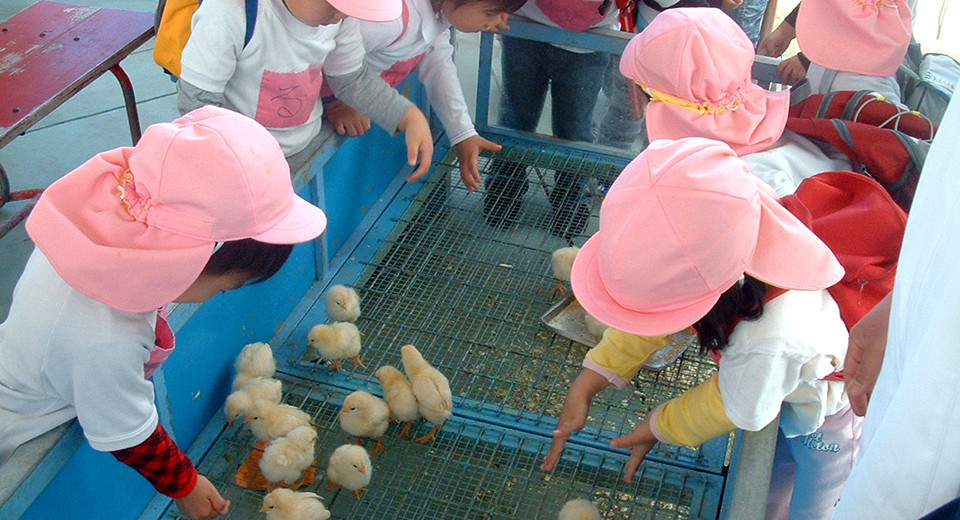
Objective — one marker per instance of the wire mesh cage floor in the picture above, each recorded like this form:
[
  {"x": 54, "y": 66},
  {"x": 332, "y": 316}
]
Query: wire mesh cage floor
[{"x": 470, "y": 297}]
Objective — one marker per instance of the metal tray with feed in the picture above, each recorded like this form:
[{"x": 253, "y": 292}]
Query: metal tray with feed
[{"x": 566, "y": 319}]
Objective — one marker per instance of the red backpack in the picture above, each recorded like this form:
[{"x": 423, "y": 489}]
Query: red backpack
[
  {"x": 882, "y": 139},
  {"x": 861, "y": 224}
]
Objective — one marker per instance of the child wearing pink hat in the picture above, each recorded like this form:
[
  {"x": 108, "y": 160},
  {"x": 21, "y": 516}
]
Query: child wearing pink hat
[
  {"x": 199, "y": 206},
  {"x": 716, "y": 244},
  {"x": 276, "y": 77},
  {"x": 854, "y": 44},
  {"x": 694, "y": 65},
  {"x": 420, "y": 40}
]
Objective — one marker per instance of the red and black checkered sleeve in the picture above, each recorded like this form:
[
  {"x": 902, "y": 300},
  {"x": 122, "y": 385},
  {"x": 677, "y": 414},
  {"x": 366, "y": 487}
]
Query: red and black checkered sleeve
[{"x": 162, "y": 463}]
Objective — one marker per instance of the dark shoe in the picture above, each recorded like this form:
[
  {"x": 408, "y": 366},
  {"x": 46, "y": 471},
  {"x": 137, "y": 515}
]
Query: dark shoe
[
  {"x": 504, "y": 196},
  {"x": 569, "y": 222},
  {"x": 569, "y": 215}
]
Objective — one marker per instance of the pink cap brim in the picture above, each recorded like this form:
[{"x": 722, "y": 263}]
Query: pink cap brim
[
  {"x": 370, "y": 10},
  {"x": 303, "y": 223}
]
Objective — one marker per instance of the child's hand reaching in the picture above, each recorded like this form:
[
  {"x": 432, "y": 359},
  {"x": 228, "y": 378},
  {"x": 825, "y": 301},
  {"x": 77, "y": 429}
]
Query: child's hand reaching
[
  {"x": 468, "y": 151},
  {"x": 574, "y": 413},
  {"x": 346, "y": 119},
  {"x": 639, "y": 442},
  {"x": 419, "y": 142},
  {"x": 203, "y": 502},
  {"x": 791, "y": 70}
]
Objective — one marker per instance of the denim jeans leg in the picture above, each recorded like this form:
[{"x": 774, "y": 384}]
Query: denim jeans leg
[{"x": 749, "y": 16}]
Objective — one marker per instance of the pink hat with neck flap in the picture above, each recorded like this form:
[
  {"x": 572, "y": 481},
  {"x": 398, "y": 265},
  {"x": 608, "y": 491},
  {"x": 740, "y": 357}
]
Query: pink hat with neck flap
[
  {"x": 134, "y": 227},
  {"x": 867, "y": 37},
  {"x": 680, "y": 225},
  {"x": 695, "y": 64}
]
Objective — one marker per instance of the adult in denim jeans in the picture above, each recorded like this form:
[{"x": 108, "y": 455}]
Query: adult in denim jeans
[
  {"x": 574, "y": 78},
  {"x": 749, "y": 16}
]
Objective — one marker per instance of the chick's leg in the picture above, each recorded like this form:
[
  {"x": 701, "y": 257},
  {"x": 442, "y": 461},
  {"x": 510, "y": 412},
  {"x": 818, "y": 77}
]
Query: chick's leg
[
  {"x": 430, "y": 435},
  {"x": 406, "y": 430},
  {"x": 356, "y": 492},
  {"x": 378, "y": 447},
  {"x": 335, "y": 365},
  {"x": 356, "y": 361},
  {"x": 559, "y": 288}
]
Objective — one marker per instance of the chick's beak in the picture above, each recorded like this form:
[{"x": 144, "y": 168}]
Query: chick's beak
[
  {"x": 363, "y": 469},
  {"x": 263, "y": 509},
  {"x": 247, "y": 420}
]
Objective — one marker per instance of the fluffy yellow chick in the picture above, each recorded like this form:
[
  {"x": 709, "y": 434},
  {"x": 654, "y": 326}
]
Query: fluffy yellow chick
[
  {"x": 365, "y": 415},
  {"x": 254, "y": 360},
  {"x": 286, "y": 504},
  {"x": 432, "y": 389},
  {"x": 398, "y": 392},
  {"x": 579, "y": 509},
  {"x": 269, "y": 420},
  {"x": 336, "y": 341},
  {"x": 239, "y": 402},
  {"x": 594, "y": 326},
  {"x": 350, "y": 468},
  {"x": 561, "y": 261},
  {"x": 286, "y": 459},
  {"x": 343, "y": 304}
]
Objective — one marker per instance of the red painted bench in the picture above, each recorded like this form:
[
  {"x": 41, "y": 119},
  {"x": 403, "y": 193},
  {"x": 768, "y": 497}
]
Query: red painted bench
[{"x": 49, "y": 52}]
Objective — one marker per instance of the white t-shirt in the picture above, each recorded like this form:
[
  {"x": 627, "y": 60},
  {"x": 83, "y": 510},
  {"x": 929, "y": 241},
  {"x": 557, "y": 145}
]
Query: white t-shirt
[
  {"x": 65, "y": 355},
  {"x": 276, "y": 78},
  {"x": 775, "y": 364},
  {"x": 824, "y": 80},
  {"x": 790, "y": 160},
  {"x": 421, "y": 40}
]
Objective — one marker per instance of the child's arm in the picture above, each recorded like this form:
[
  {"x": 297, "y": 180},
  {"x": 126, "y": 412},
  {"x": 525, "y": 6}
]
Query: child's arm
[
  {"x": 210, "y": 56},
  {"x": 190, "y": 97},
  {"x": 614, "y": 361},
  {"x": 574, "y": 414},
  {"x": 438, "y": 72},
  {"x": 691, "y": 419},
  {"x": 165, "y": 466},
  {"x": 360, "y": 87}
]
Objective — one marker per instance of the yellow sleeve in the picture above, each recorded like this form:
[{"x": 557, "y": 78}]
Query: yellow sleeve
[
  {"x": 619, "y": 355},
  {"x": 694, "y": 418}
]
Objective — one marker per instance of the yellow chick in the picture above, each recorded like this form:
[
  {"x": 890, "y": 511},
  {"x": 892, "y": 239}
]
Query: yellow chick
[
  {"x": 269, "y": 420},
  {"x": 594, "y": 326},
  {"x": 336, "y": 341},
  {"x": 254, "y": 360},
  {"x": 350, "y": 468},
  {"x": 286, "y": 504},
  {"x": 579, "y": 509},
  {"x": 562, "y": 263},
  {"x": 434, "y": 397},
  {"x": 365, "y": 415},
  {"x": 286, "y": 459},
  {"x": 343, "y": 304},
  {"x": 239, "y": 402},
  {"x": 398, "y": 392}
]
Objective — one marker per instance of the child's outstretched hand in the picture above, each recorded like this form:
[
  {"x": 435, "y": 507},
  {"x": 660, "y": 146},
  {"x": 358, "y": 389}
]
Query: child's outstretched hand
[
  {"x": 776, "y": 43},
  {"x": 469, "y": 151},
  {"x": 346, "y": 119},
  {"x": 639, "y": 442},
  {"x": 203, "y": 502},
  {"x": 792, "y": 70},
  {"x": 419, "y": 142},
  {"x": 574, "y": 414}
]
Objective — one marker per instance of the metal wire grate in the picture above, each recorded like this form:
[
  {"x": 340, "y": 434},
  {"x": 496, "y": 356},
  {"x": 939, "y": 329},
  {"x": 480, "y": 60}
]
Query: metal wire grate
[
  {"x": 471, "y": 471},
  {"x": 470, "y": 297}
]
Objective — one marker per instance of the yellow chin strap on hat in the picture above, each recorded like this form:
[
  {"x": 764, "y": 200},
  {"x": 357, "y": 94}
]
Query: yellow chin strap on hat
[{"x": 702, "y": 108}]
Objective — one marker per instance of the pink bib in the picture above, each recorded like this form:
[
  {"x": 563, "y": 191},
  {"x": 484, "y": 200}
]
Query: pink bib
[
  {"x": 573, "y": 15},
  {"x": 163, "y": 346}
]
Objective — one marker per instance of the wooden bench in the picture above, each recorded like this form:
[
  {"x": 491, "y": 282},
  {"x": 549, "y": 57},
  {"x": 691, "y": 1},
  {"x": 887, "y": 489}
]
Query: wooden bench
[{"x": 49, "y": 52}]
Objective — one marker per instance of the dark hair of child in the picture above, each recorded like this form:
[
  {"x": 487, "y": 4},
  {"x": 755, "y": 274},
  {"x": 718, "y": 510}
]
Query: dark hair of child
[
  {"x": 740, "y": 302},
  {"x": 508, "y": 6},
  {"x": 259, "y": 259}
]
